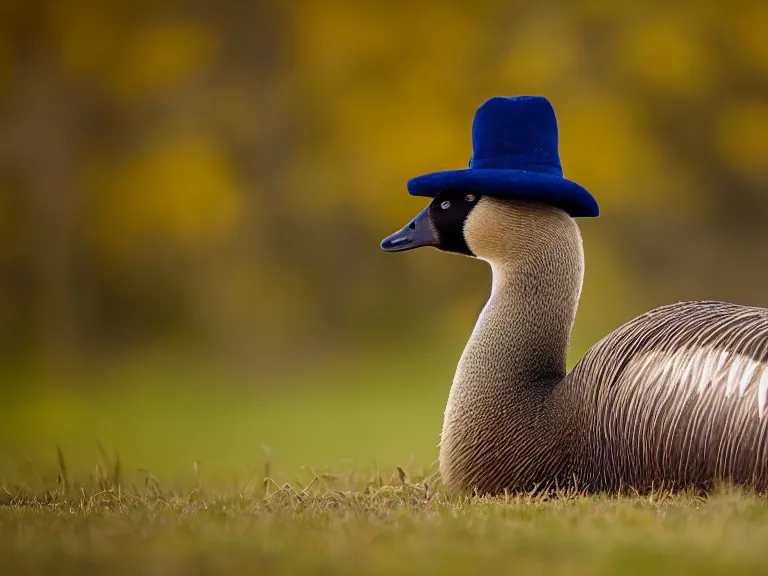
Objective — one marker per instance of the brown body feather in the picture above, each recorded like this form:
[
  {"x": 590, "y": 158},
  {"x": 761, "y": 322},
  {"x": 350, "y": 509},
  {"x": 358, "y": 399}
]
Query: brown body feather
[{"x": 675, "y": 397}]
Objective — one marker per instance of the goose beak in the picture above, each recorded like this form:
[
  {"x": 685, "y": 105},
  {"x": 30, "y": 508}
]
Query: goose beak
[{"x": 418, "y": 232}]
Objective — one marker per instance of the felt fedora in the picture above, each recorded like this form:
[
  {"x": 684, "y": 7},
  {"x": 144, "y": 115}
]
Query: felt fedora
[{"x": 514, "y": 154}]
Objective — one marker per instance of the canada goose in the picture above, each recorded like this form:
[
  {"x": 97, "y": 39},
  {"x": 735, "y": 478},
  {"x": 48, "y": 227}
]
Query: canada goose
[{"x": 675, "y": 398}]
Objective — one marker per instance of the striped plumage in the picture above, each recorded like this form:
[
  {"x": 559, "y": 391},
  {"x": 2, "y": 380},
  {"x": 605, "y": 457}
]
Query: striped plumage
[{"x": 677, "y": 397}]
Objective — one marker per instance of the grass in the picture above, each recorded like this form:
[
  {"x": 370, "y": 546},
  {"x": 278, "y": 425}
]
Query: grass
[
  {"x": 163, "y": 417},
  {"x": 220, "y": 475},
  {"x": 370, "y": 523}
]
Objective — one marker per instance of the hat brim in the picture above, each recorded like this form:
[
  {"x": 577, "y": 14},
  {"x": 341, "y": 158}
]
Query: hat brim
[{"x": 520, "y": 184}]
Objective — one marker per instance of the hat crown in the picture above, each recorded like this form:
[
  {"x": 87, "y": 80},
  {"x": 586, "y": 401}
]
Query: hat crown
[
  {"x": 515, "y": 155},
  {"x": 517, "y": 133}
]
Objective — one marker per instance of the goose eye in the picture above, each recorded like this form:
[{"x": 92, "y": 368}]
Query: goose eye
[
  {"x": 470, "y": 197},
  {"x": 445, "y": 205}
]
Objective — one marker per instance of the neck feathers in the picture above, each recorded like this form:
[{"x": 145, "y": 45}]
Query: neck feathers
[
  {"x": 497, "y": 420},
  {"x": 537, "y": 262}
]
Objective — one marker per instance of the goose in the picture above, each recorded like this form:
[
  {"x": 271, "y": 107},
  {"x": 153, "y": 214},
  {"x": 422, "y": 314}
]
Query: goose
[{"x": 675, "y": 398}]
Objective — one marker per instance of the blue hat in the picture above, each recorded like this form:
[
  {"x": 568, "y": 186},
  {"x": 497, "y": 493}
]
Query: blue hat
[{"x": 515, "y": 154}]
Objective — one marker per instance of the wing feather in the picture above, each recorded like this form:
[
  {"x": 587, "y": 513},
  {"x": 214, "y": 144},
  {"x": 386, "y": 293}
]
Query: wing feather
[{"x": 678, "y": 396}]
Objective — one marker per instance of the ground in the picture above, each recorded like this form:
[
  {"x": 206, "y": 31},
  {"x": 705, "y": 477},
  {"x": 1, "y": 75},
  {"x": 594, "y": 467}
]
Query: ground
[
  {"x": 168, "y": 470},
  {"x": 332, "y": 526}
]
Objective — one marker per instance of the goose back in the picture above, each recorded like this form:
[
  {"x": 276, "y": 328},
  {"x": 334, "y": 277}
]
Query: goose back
[{"x": 676, "y": 397}]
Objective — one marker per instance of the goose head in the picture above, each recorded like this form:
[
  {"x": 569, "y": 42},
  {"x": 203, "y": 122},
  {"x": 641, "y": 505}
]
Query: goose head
[{"x": 487, "y": 227}]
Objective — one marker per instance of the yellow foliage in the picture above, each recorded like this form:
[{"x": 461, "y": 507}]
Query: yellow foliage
[
  {"x": 380, "y": 82},
  {"x": 749, "y": 33},
  {"x": 234, "y": 109},
  {"x": 669, "y": 52},
  {"x": 8, "y": 224},
  {"x": 741, "y": 135},
  {"x": 377, "y": 145},
  {"x": 535, "y": 64},
  {"x": 5, "y": 65},
  {"x": 348, "y": 100},
  {"x": 335, "y": 41},
  {"x": 600, "y": 9},
  {"x": 183, "y": 191},
  {"x": 158, "y": 57},
  {"x": 87, "y": 34},
  {"x": 606, "y": 148}
]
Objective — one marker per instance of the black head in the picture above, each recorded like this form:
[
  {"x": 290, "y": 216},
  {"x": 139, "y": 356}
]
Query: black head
[{"x": 440, "y": 224}]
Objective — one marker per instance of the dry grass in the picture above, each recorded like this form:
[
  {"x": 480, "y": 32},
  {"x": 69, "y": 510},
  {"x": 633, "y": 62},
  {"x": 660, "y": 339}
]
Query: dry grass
[{"x": 366, "y": 523}]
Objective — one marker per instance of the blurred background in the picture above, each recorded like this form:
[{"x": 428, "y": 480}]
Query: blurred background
[{"x": 192, "y": 196}]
